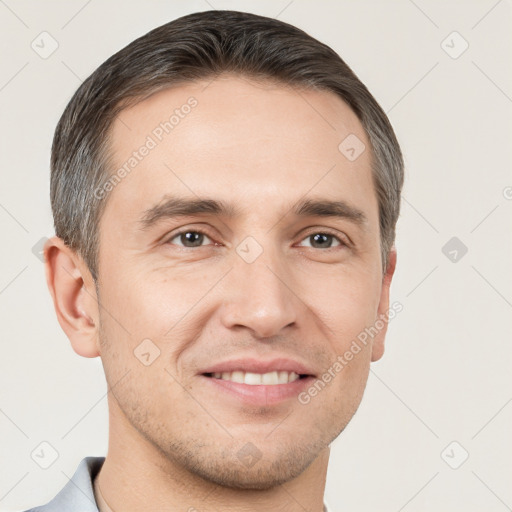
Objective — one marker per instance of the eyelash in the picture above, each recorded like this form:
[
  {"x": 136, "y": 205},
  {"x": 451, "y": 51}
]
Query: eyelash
[{"x": 199, "y": 231}]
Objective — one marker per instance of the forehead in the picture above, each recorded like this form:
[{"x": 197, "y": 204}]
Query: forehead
[{"x": 237, "y": 139}]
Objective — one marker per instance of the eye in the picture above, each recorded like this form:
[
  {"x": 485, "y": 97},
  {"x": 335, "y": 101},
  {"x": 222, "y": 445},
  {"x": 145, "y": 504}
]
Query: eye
[
  {"x": 189, "y": 238},
  {"x": 323, "y": 240}
]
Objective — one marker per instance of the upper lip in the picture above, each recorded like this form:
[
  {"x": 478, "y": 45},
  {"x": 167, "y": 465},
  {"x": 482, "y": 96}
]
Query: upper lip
[{"x": 260, "y": 366}]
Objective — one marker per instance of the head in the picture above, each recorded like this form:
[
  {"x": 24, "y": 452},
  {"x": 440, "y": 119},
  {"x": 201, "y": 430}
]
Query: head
[{"x": 225, "y": 188}]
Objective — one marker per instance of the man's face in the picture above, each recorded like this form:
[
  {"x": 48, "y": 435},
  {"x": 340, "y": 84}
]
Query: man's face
[{"x": 263, "y": 284}]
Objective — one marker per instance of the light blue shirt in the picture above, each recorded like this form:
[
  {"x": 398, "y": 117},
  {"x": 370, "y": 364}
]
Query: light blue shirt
[{"x": 78, "y": 494}]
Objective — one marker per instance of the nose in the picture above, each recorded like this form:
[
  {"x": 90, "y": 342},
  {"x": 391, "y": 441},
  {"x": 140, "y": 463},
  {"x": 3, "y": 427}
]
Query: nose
[{"x": 260, "y": 296}]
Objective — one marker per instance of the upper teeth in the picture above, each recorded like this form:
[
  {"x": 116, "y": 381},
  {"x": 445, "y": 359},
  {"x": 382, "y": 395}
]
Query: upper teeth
[{"x": 257, "y": 378}]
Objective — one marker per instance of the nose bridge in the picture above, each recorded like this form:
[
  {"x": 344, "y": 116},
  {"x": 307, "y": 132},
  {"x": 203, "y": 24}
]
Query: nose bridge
[{"x": 259, "y": 295}]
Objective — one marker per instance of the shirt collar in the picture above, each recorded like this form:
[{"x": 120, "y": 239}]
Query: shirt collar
[{"x": 78, "y": 494}]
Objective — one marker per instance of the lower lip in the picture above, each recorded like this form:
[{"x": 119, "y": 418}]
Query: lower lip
[{"x": 264, "y": 394}]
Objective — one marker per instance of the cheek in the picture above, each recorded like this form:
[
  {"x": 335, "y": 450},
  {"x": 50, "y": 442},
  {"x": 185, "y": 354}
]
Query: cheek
[
  {"x": 153, "y": 302},
  {"x": 347, "y": 304},
  {"x": 157, "y": 312}
]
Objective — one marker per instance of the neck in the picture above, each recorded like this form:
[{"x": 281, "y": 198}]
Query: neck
[{"x": 142, "y": 477}]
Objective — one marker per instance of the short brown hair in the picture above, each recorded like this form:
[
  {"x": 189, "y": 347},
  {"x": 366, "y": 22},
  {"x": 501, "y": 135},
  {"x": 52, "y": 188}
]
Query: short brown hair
[{"x": 191, "y": 48}]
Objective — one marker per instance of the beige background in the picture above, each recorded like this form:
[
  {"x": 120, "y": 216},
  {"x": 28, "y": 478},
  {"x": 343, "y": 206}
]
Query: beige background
[{"x": 446, "y": 373}]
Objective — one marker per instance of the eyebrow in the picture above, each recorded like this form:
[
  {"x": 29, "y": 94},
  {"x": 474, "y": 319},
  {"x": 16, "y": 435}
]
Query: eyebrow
[{"x": 171, "y": 207}]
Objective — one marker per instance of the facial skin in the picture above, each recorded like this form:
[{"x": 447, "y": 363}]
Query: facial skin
[{"x": 174, "y": 437}]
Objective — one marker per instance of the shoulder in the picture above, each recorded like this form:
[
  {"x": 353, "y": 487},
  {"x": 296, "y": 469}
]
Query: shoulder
[{"x": 78, "y": 494}]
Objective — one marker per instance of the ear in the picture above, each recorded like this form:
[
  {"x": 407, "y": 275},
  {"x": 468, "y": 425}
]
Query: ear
[
  {"x": 382, "y": 313},
  {"x": 74, "y": 296}
]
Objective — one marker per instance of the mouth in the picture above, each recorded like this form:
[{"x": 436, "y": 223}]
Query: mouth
[
  {"x": 257, "y": 383},
  {"x": 257, "y": 371},
  {"x": 257, "y": 379}
]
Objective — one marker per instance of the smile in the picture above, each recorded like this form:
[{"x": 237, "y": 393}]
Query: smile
[{"x": 256, "y": 379}]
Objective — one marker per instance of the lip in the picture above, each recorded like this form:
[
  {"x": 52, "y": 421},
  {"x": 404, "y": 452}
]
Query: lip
[
  {"x": 253, "y": 365},
  {"x": 257, "y": 395}
]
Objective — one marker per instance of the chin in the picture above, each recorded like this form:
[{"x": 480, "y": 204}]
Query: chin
[
  {"x": 276, "y": 466},
  {"x": 265, "y": 477}
]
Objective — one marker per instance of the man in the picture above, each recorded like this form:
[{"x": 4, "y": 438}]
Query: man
[{"x": 225, "y": 193}]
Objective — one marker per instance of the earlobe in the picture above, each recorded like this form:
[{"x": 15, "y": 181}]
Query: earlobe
[
  {"x": 383, "y": 309},
  {"x": 74, "y": 296}
]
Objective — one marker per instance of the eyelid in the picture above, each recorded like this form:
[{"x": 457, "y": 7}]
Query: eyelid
[
  {"x": 174, "y": 234},
  {"x": 342, "y": 238}
]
